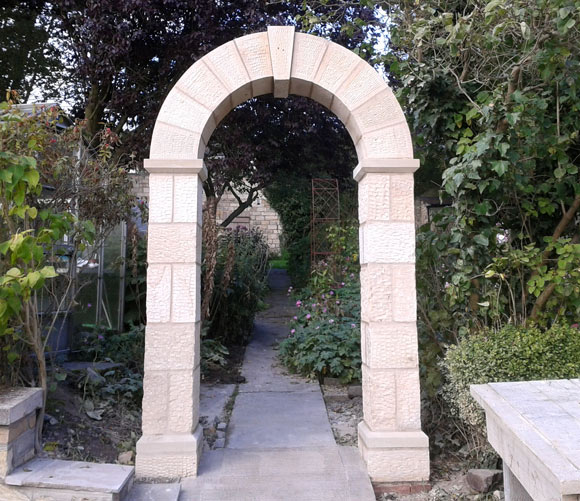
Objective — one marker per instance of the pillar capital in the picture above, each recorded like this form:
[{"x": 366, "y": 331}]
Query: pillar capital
[
  {"x": 176, "y": 166},
  {"x": 385, "y": 166}
]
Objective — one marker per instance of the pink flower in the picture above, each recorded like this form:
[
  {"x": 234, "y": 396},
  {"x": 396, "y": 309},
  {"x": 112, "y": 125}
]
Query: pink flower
[
  {"x": 295, "y": 317},
  {"x": 298, "y": 303},
  {"x": 331, "y": 321},
  {"x": 353, "y": 326},
  {"x": 293, "y": 331},
  {"x": 342, "y": 283},
  {"x": 314, "y": 305},
  {"x": 323, "y": 296},
  {"x": 575, "y": 326},
  {"x": 338, "y": 302},
  {"x": 324, "y": 310},
  {"x": 100, "y": 337},
  {"x": 331, "y": 293},
  {"x": 308, "y": 317}
]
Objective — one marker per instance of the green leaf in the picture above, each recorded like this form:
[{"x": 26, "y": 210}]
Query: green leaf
[
  {"x": 31, "y": 177},
  {"x": 48, "y": 272},
  {"x": 481, "y": 240},
  {"x": 500, "y": 167},
  {"x": 559, "y": 173}
]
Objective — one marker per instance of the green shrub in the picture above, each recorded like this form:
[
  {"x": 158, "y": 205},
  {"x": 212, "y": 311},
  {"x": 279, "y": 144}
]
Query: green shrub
[
  {"x": 511, "y": 354},
  {"x": 240, "y": 285},
  {"x": 325, "y": 334}
]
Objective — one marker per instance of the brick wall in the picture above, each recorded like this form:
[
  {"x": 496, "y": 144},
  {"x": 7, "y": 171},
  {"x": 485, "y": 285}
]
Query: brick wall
[{"x": 260, "y": 215}]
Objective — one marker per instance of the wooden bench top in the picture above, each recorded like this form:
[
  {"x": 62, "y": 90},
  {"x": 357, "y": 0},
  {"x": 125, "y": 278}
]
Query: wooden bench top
[{"x": 535, "y": 427}]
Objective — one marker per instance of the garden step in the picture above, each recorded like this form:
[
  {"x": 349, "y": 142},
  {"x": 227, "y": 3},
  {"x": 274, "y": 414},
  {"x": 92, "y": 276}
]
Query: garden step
[
  {"x": 71, "y": 480},
  {"x": 154, "y": 492}
]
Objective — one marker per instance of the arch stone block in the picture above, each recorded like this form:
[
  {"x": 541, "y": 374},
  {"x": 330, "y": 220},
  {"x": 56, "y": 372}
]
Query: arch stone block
[{"x": 280, "y": 61}]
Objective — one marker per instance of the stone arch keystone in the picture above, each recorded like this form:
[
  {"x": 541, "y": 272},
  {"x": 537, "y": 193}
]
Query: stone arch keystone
[{"x": 282, "y": 62}]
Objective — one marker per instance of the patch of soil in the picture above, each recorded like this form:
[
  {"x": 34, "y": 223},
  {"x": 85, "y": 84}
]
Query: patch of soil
[
  {"x": 344, "y": 413},
  {"x": 70, "y": 433},
  {"x": 228, "y": 374},
  {"x": 448, "y": 472}
]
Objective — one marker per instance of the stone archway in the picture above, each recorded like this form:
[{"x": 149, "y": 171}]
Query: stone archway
[{"x": 283, "y": 62}]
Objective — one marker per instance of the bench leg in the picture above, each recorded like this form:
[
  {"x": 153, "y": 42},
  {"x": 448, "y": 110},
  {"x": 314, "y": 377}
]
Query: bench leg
[{"x": 513, "y": 490}]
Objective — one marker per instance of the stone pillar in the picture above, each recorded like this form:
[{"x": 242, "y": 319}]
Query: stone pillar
[
  {"x": 170, "y": 447},
  {"x": 390, "y": 437},
  {"x": 18, "y": 409}
]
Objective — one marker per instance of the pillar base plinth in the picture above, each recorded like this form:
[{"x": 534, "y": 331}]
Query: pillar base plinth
[
  {"x": 168, "y": 457},
  {"x": 394, "y": 456}
]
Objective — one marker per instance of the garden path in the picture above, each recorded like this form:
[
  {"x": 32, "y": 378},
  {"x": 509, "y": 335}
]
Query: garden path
[{"x": 279, "y": 443}]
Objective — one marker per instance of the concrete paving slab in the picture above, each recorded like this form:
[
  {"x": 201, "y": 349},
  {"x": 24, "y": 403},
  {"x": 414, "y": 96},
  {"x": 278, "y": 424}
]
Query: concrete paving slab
[
  {"x": 154, "y": 492},
  {"x": 279, "y": 443},
  {"x": 56, "y": 473},
  {"x": 212, "y": 401},
  {"x": 279, "y": 419}
]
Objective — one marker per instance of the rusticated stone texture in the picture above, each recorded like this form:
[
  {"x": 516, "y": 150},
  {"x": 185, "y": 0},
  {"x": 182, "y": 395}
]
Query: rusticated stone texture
[
  {"x": 389, "y": 345},
  {"x": 155, "y": 401},
  {"x": 402, "y": 197},
  {"x": 387, "y": 242},
  {"x": 374, "y": 198},
  {"x": 176, "y": 243},
  {"x": 199, "y": 83},
  {"x": 167, "y": 467},
  {"x": 281, "y": 42},
  {"x": 392, "y": 141},
  {"x": 408, "y": 400},
  {"x": 171, "y": 142},
  {"x": 396, "y": 465},
  {"x": 404, "y": 293},
  {"x": 181, "y": 353},
  {"x": 282, "y": 61},
  {"x": 158, "y": 293},
  {"x": 308, "y": 53},
  {"x": 379, "y": 398},
  {"x": 376, "y": 292},
  {"x": 186, "y": 292},
  {"x": 183, "y": 400},
  {"x": 160, "y": 198}
]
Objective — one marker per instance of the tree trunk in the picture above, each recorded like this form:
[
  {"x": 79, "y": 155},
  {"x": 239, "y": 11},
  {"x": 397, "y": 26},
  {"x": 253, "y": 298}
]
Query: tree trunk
[{"x": 210, "y": 240}]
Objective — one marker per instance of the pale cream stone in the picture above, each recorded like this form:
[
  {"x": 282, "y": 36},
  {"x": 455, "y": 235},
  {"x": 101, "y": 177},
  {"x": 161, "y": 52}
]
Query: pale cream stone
[
  {"x": 379, "y": 398},
  {"x": 402, "y": 198},
  {"x": 186, "y": 293},
  {"x": 158, "y": 293},
  {"x": 396, "y": 465},
  {"x": 387, "y": 242},
  {"x": 376, "y": 292},
  {"x": 174, "y": 346},
  {"x": 255, "y": 52},
  {"x": 408, "y": 399},
  {"x": 281, "y": 43},
  {"x": 168, "y": 457},
  {"x": 378, "y": 111},
  {"x": 393, "y": 141},
  {"x": 226, "y": 63},
  {"x": 155, "y": 401},
  {"x": 337, "y": 64},
  {"x": 171, "y": 142},
  {"x": 361, "y": 86},
  {"x": 389, "y": 345},
  {"x": 173, "y": 242},
  {"x": 188, "y": 200},
  {"x": 308, "y": 53},
  {"x": 200, "y": 83},
  {"x": 181, "y": 110},
  {"x": 183, "y": 411},
  {"x": 404, "y": 293},
  {"x": 374, "y": 198},
  {"x": 160, "y": 198}
]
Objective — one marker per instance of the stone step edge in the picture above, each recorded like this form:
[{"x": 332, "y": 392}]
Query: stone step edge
[
  {"x": 25, "y": 477},
  {"x": 154, "y": 492}
]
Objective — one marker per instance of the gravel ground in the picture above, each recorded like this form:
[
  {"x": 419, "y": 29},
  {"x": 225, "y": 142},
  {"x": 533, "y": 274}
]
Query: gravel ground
[{"x": 344, "y": 414}]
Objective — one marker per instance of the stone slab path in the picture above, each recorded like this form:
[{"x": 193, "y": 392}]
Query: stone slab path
[{"x": 279, "y": 443}]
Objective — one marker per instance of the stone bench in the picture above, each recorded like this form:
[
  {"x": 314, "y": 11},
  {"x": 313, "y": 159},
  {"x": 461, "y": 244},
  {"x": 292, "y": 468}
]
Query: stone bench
[{"x": 535, "y": 428}]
